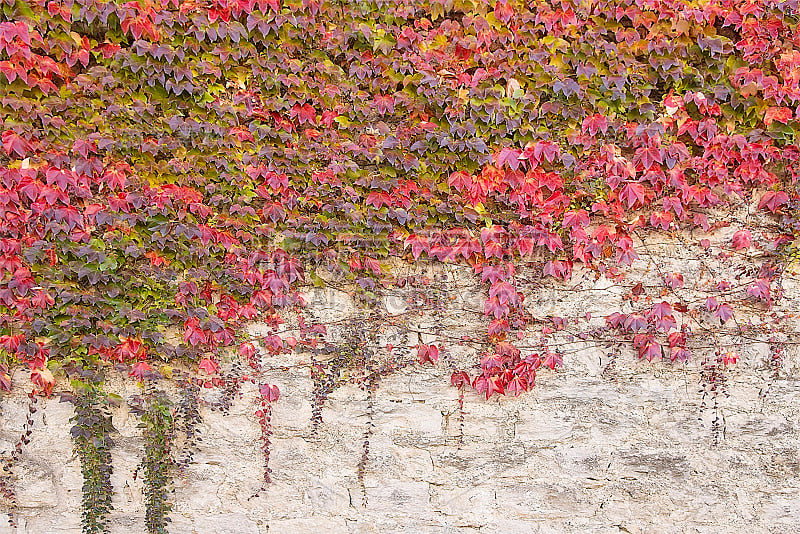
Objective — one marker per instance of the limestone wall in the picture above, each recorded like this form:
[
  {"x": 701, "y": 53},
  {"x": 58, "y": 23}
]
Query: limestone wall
[{"x": 580, "y": 453}]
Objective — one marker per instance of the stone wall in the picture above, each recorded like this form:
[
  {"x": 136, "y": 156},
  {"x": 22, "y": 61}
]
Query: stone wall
[{"x": 580, "y": 453}]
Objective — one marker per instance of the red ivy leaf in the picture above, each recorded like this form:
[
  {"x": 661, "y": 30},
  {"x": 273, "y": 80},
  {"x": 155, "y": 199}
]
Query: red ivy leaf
[
  {"x": 488, "y": 385},
  {"x": 13, "y": 142},
  {"x": 679, "y": 353},
  {"x": 517, "y": 385},
  {"x": 373, "y": 265},
  {"x": 674, "y": 280},
  {"x": 248, "y": 350},
  {"x": 724, "y": 312},
  {"x": 384, "y": 104},
  {"x": 505, "y": 293},
  {"x": 552, "y": 360},
  {"x": 773, "y": 200},
  {"x": 209, "y": 366},
  {"x": 5, "y": 378},
  {"x": 759, "y": 289},
  {"x": 650, "y": 350},
  {"x": 270, "y": 392},
  {"x": 304, "y": 113},
  {"x": 493, "y": 307},
  {"x": 459, "y": 379},
  {"x": 44, "y": 380},
  {"x": 11, "y": 343},
  {"x": 193, "y": 334},
  {"x": 742, "y": 239},
  {"x": 780, "y": 114},
  {"x": 635, "y": 323},
  {"x": 594, "y": 123},
  {"x": 730, "y": 358},
  {"x": 141, "y": 370},
  {"x": 508, "y": 156},
  {"x": 427, "y": 354},
  {"x": 662, "y": 309},
  {"x": 631, "y": 193},
  {"x": 419, "y": 244}
]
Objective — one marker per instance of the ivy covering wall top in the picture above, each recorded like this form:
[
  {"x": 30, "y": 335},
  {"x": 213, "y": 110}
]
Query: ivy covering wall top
[{"x": 171, "y": 170}]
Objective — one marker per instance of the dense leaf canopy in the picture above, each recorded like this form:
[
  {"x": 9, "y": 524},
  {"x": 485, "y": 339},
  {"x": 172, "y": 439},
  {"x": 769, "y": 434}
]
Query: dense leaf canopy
[{"x": 190, "y": 164}]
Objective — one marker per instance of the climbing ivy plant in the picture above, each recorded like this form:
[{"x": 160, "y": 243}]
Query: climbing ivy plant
[
  {"x": 158, "y": 464},
  {"x": 172, "y": 170},
  {"x": 92, "y": 436}
]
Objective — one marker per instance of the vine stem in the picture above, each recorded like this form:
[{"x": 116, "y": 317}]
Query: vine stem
[{"x": 362, "y": 464}]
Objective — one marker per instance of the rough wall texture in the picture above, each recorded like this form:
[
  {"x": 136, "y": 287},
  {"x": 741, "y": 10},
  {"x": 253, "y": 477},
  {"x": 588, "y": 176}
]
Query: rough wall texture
[
  {"x": 580, "y": 453},
  {"x": 585, "y": 451}
]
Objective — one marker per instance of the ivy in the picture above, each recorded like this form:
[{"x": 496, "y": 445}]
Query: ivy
[
  {"x": 7, "y": 477},
  {"x": 187, "y": 424},
  {"x": 174, "y": 170},
  {"x": 159, "y": 465},
  {"x": 91, "y": 434}
]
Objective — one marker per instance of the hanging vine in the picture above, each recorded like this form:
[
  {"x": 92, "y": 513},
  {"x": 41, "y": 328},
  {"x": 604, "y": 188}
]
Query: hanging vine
[
  {"x": 7, "y": 478},
  {"x": 268, "y": 394},
  {"x": 187, "y": 423},
  {"x": 156, "y": 412},
  {"x": 91, "y": 434}
]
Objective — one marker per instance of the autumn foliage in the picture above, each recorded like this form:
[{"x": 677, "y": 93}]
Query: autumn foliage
[{"x": 172, "y": 170}]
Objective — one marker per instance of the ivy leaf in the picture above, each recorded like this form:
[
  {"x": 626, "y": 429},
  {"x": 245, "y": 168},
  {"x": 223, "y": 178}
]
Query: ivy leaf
[
  {"x": 493, "y": 307},
  {"x": 488, "y": 385},
  {"x": 459, "y": 379},
  {"x": 650, "y": 350},
  {"x": 759, "y": 289},
  {"x": 777, "y": 113},
  {"x": 304, "y": 114},
  {"x": 673, "y": 280},
  {"x": 427, "y": 354},
  {"x": 509, "y": 157},
  {"x": 419, "y": 244},
  {"x": 679, "y": 353},
  {"x": 552, "y": 360},
  {"x": 193, "y": 334},
  {"x": 635, "y": 322},
  {"x": 742, "y": 239},
  {"x": 15, "y": 143},
  {"x": 44, "y": 380},
  {"x": 505, "y": 293},
  {"x": 632, "y": 193},
  {"x": 661, "y": 219},
  {"x": 661, "y": 309},
  {"x": 594, "y": 123},
  {"x": 141, "y": 370},
  {"x": 730, "y": 358},
  {"x": 209, "y": 366},
  {"x": 247, "y": 350},
  {"x": 724, "y": 312},
  {"x": 773, "y": 200},
  {"x": 270, "y": 392},
  {"x": 5, "y": 378}
]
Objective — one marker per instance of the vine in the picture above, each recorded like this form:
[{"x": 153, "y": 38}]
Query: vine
[
  {"x": 361, "y": 469},
  {"x": 156, "y": 412},
  {"x": 187, "y": 423},
  {"x": 91, "y": 434},
  {"x": 268, "y": 394},
  {"x": 713, "y": 380},
  {"x": 7, "y": 478}
]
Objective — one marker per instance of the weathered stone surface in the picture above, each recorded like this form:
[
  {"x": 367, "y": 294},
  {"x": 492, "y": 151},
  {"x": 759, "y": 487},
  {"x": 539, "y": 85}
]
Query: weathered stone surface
[{"x": 580, "y": 453}]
